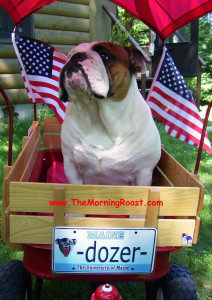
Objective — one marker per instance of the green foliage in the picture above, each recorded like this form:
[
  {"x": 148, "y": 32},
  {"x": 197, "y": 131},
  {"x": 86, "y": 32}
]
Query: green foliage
[
  {"x": 206, "y": 88},
  {"x": 6, "y": 114},
  {"x": 186, "y": 32},
  {"x": 205, "y": 42},
  {"x": 205, "y": 51},
  {"x": 119, "y": 37},
  {"x": 137, "y": 29},
  {"x": 192, "y": 85},
  {"x": 44, "y": 111},
  {"x": 140, "y": 32}
]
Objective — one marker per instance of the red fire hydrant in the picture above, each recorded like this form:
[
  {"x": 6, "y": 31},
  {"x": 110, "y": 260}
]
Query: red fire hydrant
[{"x": 106, "y": 292}]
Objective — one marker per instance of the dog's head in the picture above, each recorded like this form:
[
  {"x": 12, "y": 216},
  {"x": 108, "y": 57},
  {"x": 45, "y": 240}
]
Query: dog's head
[
  {"x": 99, "y": 70},
  {"x": 65, "y": 245}
]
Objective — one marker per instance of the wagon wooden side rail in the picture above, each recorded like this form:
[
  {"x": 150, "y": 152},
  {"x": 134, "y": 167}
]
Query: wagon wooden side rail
[{"x": 29, "y": 212}]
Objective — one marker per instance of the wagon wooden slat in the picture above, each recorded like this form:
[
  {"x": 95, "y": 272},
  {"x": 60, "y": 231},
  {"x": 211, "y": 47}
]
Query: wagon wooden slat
[{"x": 28, "y": 216}]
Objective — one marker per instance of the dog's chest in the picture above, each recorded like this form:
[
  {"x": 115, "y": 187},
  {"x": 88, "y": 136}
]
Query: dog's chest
[{"x": 115, "y": 165}]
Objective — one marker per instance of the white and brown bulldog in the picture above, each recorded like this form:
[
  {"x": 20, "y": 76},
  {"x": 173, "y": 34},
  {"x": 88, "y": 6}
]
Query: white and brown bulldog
[{"x": 108, "y": 135}]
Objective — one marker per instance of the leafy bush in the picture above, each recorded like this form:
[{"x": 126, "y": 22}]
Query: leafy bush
[
  {"x": 6, "y": 114},
  {"x": 137, "y": 29}
]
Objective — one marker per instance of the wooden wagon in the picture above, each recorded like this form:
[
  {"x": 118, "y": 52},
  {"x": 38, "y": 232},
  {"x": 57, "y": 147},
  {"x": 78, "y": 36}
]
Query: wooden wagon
[{"x": 28, "y": 219}]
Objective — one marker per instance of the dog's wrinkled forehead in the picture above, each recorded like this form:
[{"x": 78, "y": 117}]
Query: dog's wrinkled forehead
[
  {"x": 111, "y": 53},
  {"x": 106, "y": 51},
  {"x": 83, "y": 47}
]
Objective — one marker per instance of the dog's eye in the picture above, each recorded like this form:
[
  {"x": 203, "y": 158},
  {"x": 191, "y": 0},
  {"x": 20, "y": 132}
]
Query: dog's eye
[
  {"x": 103, "y": 52},
  {"x": 104, "y": 56}
]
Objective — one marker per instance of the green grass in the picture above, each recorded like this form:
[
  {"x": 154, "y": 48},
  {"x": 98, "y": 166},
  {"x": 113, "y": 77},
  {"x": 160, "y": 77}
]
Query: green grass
[{"x": 198, "y": 258}]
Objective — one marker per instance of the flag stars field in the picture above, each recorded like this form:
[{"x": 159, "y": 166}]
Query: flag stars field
[{"x": 41, "y": 64}]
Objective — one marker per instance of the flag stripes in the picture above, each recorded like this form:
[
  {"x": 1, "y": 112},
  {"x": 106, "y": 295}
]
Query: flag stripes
[
  {"x": 41, "y": 65},
  {"x": 171, "y": 102}
]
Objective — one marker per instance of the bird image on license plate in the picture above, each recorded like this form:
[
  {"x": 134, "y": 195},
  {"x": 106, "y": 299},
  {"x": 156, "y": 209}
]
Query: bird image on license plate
[{"x": 101, "y": 250}]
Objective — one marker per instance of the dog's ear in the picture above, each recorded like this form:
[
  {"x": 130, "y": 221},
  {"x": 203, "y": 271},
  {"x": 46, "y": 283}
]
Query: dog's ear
[
  {"x": 72, "y": 242},
  {"x": 137, "y": 60},
  {"x": 63, "y": 95}
]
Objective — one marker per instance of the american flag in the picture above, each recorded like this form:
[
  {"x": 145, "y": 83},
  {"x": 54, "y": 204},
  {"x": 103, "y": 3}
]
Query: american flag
[
  {"x": 171, "y": 102},
  {"x": 40, "y": 67}
]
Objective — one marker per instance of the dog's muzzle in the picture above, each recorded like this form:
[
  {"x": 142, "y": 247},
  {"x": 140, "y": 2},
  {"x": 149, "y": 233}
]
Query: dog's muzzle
[
  {"x": 74, "y": 65},
  {"x": 85, "y": 72}
]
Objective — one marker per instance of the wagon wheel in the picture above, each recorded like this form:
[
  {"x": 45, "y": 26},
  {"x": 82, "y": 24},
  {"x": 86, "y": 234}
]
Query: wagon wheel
[
  {"x": 178, "y": 284},
  {"x": 15, "y": 281}
]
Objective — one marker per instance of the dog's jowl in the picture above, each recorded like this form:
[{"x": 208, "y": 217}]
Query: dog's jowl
[{"x": 108, "y": 135}]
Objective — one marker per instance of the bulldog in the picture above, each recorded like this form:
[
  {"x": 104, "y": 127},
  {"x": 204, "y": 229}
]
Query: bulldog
[{"x": 108, "y": 136}]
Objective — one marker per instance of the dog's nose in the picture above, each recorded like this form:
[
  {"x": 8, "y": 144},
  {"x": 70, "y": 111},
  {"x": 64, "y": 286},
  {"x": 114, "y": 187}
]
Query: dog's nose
[{"x": 79, "y": 56}]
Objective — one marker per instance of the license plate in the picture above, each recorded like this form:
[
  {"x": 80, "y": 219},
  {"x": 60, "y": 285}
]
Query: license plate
[{"x": 103, "y": 250}]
